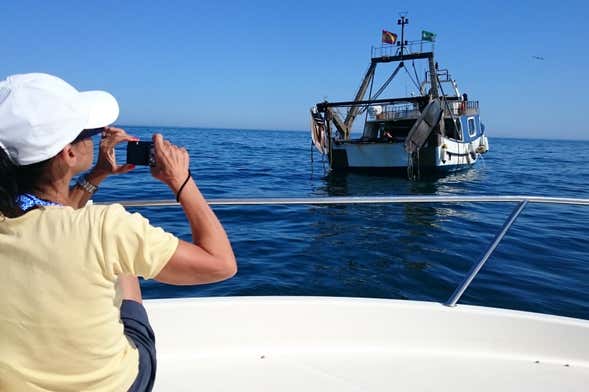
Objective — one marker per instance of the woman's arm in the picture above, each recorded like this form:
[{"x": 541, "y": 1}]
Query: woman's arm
[
  {"x": 79, "y": 196},
  {"x": 209, "y": 258}
]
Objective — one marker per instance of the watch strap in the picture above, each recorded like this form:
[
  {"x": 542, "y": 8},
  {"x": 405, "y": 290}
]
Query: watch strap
[{"x": 86, "y": 185}]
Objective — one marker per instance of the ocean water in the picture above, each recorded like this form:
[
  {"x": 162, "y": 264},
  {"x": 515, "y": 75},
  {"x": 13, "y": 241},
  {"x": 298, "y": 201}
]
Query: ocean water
[{"x": 417, "y": 251}]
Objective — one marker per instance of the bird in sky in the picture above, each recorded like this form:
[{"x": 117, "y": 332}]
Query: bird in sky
[{"x": 538, "y": 57}]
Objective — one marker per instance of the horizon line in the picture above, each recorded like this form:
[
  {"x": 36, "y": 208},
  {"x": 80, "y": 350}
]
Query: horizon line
[{"x": 300, "y": 130}]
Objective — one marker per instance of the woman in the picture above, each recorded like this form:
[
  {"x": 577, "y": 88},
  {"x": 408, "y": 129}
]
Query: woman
[{"x": 61, "y": 325}]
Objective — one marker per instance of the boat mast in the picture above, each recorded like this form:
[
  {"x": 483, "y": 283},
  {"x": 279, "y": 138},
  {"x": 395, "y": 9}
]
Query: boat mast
[
  {"x": 403, "y": 21},
  {"x": 346, "y": 127},
  {"x": 358, "y": 105},
  {"x": 432, "y": 68},
  {"x": 433, "y": 73}
]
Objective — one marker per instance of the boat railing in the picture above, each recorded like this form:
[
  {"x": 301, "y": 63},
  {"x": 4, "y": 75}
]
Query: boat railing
[
  {"x": 412, "y": 47},
  {"x": 461, "y": 108},
  {"x": 409, "y": 111},
  {"x": 520, "y": 201},
  {"x": 393, "y": 112}
]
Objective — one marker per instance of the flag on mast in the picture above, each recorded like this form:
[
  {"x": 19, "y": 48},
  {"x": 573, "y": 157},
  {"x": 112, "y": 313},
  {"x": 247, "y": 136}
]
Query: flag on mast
[
  {"x": 428, "y": 36},
  {"x": 388, "y": 37}
]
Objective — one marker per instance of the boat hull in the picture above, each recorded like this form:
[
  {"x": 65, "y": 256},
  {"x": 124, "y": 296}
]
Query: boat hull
[
  {"x": 352, "y": 344},
  {"x": 377, "y": 157}
]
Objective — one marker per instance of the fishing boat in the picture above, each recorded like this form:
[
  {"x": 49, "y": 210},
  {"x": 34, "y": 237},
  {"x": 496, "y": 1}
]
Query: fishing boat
[
  {"x": 436, "y": 130},
  {"x": 363, "y": 344}
]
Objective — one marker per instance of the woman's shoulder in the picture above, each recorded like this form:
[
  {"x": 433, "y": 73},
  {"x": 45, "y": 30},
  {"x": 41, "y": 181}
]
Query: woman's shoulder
[
  {"x": 91, "y": 212},
  {"x": 113, "y": 210},
  {"x": 111, "y": 216}
]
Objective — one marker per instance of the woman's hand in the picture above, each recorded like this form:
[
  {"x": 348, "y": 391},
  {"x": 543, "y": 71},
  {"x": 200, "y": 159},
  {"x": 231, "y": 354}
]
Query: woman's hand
[
  {"x": 106, "y": 164},
  {"x": 171, "y": 163}
]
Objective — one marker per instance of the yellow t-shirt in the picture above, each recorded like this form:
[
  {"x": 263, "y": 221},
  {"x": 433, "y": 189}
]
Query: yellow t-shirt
[{"x": 60, "y": 327}]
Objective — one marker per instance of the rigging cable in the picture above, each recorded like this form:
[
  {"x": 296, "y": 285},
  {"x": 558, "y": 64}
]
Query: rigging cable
[
  {"x": 411, "y": 77},
  {"x": 448, "y": 107},
  {"x": 388, "y": 81},
  {"x": 382, "y": 88},
  {"x": 415, "y": 70}
]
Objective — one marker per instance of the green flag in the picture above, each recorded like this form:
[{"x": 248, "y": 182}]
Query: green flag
[{"x": 428, "y": 36}]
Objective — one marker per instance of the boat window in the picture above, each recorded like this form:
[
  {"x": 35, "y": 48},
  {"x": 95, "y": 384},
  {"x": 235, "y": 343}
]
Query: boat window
[
  {"x": 370, "y": 131},
  {"x": 452, "y": 128},
  {"x": 472, "y": 129},
  {"x": 459, "y": 130}
]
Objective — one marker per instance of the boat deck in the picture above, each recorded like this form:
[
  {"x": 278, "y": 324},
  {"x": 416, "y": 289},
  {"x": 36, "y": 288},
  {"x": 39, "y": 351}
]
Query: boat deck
[{"x": 349, "y": 344}]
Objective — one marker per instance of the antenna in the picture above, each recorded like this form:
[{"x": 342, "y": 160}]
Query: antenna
[{"x": 403, "y": 21}]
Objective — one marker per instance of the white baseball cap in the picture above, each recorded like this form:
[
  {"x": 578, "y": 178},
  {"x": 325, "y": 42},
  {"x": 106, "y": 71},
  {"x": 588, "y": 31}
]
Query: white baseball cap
[{"x": 40, "y": 114}]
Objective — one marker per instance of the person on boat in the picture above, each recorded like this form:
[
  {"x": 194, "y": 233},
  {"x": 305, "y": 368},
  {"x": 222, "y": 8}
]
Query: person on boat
[
  {"x": 64, "y": 325},
  {"x": 464, "y": 102},
  {"x": 387, "y": 136}
]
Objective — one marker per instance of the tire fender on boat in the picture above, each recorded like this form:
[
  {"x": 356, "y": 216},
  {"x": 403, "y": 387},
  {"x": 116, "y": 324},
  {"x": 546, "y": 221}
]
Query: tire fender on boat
[
  {"x": 471, "y": 155},
  {"x": 444, "y": 154},
  {"x": 483, "y": 145},
  {"x": 318, "y": 134}
]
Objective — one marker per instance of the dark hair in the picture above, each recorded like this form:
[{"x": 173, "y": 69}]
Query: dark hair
[{"x": 15, "y": 180}]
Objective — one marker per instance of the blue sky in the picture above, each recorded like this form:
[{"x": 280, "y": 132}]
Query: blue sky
[{"x": 263, "y": 64}]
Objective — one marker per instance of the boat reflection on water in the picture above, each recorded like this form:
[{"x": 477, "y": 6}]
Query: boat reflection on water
[
  {"x": 356, "y": 185},
  {"x": 398, "y": 248}
]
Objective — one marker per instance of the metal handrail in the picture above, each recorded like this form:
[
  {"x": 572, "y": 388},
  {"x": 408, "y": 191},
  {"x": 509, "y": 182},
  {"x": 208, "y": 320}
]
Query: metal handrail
[
  {"x": 459, "y": 291},
  {"x": 477, "y": 267},
  {"x": 416, "y": 46},
  {"x": 458, "y": 108},
  {"x": 359, "y": 200}
]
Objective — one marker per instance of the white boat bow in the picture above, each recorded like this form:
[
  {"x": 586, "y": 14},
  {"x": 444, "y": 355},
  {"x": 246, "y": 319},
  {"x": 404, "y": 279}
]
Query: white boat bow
[{"x": 351, "y": 344}]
